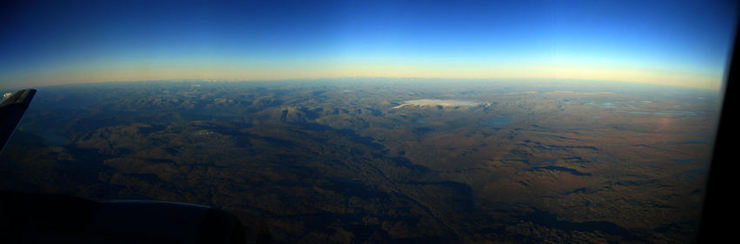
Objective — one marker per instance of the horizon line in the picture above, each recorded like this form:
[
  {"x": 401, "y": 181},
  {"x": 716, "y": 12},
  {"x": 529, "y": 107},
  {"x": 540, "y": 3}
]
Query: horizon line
[{"x": 25, "y": 84}]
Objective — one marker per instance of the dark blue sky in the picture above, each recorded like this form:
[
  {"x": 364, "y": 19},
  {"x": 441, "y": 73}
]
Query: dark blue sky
[{"x": 664, "y": 42}]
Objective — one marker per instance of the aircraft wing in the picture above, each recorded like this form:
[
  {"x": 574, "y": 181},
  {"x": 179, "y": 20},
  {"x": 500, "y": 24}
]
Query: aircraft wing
[{"x": 11, "y": 112}]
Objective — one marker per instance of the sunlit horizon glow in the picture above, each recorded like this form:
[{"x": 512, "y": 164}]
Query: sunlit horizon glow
[
  {"x": 225, "y": 73},
  {"x": 673, "y": 43}
]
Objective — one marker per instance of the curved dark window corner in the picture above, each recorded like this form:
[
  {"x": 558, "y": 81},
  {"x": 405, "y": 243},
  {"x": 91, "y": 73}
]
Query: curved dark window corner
[{"x": 719, "y": 204}]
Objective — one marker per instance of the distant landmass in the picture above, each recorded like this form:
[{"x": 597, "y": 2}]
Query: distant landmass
[
  {"x": 383, "y": 160},
  {"x": 440, "y": 103}
]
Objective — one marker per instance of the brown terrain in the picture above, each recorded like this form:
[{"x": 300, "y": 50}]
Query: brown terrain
[{"x": 384, "y": 160}]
